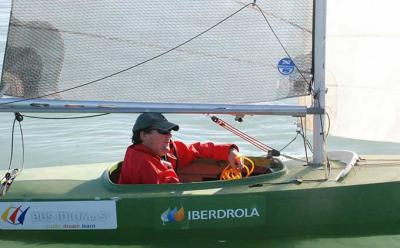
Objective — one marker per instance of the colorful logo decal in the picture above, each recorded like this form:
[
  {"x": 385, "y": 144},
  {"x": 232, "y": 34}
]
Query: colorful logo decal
[
  {"x": 173, "y": 215},
  {"x": 286, "y": 66},
  {"x": 14, "y": 216}
]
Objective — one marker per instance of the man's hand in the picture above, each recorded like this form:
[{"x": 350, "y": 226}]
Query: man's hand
[{"x": 235, "y": 160}]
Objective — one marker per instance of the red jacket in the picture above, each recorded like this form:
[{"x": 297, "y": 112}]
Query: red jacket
[{"x": 142, "y": 166}]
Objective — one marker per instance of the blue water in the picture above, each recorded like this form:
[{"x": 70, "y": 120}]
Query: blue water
[{"x": 102, "y": 139}]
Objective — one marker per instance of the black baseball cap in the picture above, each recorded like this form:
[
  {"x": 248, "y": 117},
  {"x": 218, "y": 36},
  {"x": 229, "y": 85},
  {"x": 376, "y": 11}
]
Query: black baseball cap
[{"x": 153, "y": 120}]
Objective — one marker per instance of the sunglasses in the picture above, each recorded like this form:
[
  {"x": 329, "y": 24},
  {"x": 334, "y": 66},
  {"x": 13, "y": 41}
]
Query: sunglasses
[{"x": 161, "y": 131}]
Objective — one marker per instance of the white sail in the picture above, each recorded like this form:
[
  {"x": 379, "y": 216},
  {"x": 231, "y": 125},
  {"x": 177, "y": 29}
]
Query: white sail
[
  {"x": 362, "y": 64},
  {"x": 5, "y": 7},
  {"x": 158, "y": 51}
]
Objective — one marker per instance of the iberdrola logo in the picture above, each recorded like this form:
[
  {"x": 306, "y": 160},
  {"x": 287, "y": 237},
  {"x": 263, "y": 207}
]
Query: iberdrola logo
[
  {"x": 173, "y": 215},
  {"x": 14, "y": 215}
]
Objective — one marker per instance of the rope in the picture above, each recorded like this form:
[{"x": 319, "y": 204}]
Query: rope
[
  {"x": 231, "y": 173},
  {"x": 249, "y": 139},
  {"x": 242, "y": 135}
]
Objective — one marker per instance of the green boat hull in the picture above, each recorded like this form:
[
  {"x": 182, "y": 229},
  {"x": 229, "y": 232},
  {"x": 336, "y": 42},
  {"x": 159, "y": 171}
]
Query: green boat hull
[{"x": 266, "y": 207}]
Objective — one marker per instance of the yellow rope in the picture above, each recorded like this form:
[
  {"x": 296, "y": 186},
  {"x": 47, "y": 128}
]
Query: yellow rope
[{"x": 230, "y": 172}]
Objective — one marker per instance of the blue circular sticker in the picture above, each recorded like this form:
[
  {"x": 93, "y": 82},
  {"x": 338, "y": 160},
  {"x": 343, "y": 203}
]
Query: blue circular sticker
[{"x": 286, "y": 66}]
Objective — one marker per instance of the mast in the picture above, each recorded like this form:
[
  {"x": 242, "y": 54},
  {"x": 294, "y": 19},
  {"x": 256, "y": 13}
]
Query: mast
[{"x": 319, "y": 157}]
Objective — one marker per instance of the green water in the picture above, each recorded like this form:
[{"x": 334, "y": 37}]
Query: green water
[{"x": 391, "y": 241}]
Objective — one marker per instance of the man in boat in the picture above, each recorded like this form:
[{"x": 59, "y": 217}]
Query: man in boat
[{"x": 153, "y": 157}]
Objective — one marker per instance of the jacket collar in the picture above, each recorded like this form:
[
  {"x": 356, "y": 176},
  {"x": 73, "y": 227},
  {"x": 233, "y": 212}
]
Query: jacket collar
[{"x": 145, "y": 149}]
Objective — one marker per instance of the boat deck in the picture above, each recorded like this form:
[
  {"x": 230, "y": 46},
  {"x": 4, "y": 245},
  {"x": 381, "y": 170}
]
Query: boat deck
[
  {"x": 297, "y": 201},
  {"x": 90, "y": 181}
]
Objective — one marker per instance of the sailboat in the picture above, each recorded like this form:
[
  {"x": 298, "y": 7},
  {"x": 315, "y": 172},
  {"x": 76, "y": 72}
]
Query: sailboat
[{"x": 187, "y": 57}]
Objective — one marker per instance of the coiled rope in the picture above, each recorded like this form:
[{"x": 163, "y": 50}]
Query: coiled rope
[{"x": 231, "y": 173}]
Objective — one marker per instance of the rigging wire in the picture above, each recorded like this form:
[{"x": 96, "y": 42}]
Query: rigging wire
[
  {"x": 19, "y": 118},
  {"x": 304, "y": 139},
  {"x": 329, "y": 124},
  {"x": 280, "y": 43},
  {"x": 290, "y": 142},
  {"x": 303, "y": 135},
  {"x": 306, "y": 142},
  {"x": 64, "y": 118},
  {"x": 250, "y": 139},
  {"x": 10, "y": 175}
]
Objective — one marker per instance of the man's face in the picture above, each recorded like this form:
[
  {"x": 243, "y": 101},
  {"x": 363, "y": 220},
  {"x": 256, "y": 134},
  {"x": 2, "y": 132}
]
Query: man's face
[{"x": 158, "y": 143}]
